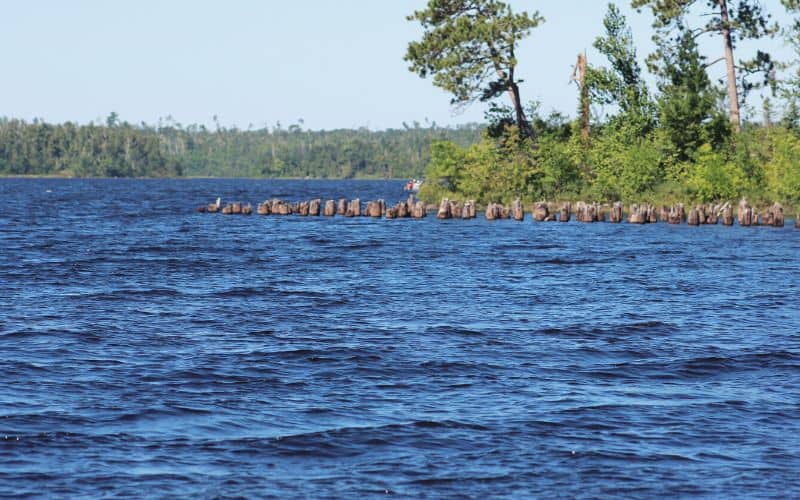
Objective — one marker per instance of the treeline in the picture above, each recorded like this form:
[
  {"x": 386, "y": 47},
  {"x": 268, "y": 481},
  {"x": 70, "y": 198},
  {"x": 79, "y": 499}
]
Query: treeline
[
  {"x": 683, "y": 140},
  {"x": 119, "y": 149}
]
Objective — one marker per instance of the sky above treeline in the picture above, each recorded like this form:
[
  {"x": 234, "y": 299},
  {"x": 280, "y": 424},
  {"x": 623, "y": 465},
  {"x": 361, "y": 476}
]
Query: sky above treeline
[{"x": 317, "y": 63}]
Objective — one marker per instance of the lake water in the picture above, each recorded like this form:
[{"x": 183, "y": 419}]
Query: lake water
[{"x": 148, "y": 350}]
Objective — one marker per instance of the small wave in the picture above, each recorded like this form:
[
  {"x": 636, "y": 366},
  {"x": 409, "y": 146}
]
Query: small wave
[
  {"x": 575, "y": 262},
  {"x": 452, "y": 330}
]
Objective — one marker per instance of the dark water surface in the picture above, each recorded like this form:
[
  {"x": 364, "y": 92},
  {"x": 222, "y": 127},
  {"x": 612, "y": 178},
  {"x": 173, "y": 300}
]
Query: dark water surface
[{"x": 148, "y": 350}]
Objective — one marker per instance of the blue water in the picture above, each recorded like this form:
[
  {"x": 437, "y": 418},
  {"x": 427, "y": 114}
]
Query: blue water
[{"x": 148, "y": 350}]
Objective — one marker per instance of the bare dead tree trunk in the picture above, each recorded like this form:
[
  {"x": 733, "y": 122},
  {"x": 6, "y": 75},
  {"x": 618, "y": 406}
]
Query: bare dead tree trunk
[
  {"x": 584, "y": 99},
  {"x": 733, "y": 93}
]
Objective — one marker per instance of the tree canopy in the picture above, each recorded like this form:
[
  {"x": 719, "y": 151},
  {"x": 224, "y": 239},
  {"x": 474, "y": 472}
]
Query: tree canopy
[
  {"x": 733, "y": 21},
  {"x": 468, "y": 46}
]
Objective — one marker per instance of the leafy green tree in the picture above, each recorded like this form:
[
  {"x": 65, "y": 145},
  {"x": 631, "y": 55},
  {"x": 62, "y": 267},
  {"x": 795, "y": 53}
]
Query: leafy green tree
[
  {"x": 468, "y": 46},
  {"x": 687, "y": 105},
  {"x": 733, "y": 21},
  {"x": 622, "y": 84}
]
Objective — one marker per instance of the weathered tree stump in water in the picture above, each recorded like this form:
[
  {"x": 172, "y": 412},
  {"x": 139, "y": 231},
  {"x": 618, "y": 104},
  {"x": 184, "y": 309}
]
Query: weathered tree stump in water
[
  {"x": 468, "y": 211},
  {"x": 564, "y": 212},
  {"x": 599, "y": 215},
  {"x": 712, "y": 213},
  {"x": 418, "y": 211},
  {"x": 330, "y": 208},
  {"x": 302, "y": 208},
  {"x": 642, "y": 214},
  {"x": 517, "y": 211},
  {"x": 745, "y": 213},
  {"x": 247, "y": 209},
  {"x": 676, "y": 214},
  {"x": 693, "y": 219},
  {"x": 263, "y": 208},
  {"x": 391, "y": 212},
  {"x": 701, "y": 214},
  {"x": 236, "y": 208},
  {"x": 455, "y": 209},
  {"x": 313, "y": 207},
  {"x": 444, "y": 210},
  {"x": 637, "y": 214},
  {"x": 584, "y": 212},
  {"x": 375, "y": 208},
  {"x": 727, "y": 215},
  {"x": 403, "y": 210},
  {"x": 227, "y": 209},
  {"x": 353, "y": 208},
  {"x": 775, "y": 215},
  {"x": 341, "y": 207},
  {"x": 652, "y": 216},
  {"x": 493, "y": 211},
  {"x": 615, "y": 215},
  {"x": 541, "y": 211}
]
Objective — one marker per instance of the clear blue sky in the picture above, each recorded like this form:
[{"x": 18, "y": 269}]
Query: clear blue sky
[{"x": 333, "y": 64}]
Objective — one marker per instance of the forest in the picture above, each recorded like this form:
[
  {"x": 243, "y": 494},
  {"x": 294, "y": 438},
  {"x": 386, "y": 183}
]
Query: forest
[
  {"x": 119, "y": 149},
  {"x": 684, "y": 140},
  {"x": 662, "y": 131}
]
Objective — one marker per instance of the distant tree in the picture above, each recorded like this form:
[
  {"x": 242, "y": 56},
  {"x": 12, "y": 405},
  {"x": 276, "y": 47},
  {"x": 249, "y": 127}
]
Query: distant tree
[
  {"x": 468, "y": 46},
  {"x": 733, "y": 21},
  {"x": 111, "y": 121}
]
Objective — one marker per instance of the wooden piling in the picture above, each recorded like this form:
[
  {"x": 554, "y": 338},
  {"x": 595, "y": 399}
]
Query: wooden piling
[
  {"x": 469, "y": 210},
  {"x": 583, "y": 212},
  {"x": 403, "y": 210},
  {"x": 615, "y": 215},
  {"x": 375, "y": 208},
  {"x": 444, "y": 210},
  {"x": 330, "y": 208},
  {"x": 540, "y": 211},
  {"x": 745, "y": 213},
  {"x": 677, "y": 214},
  {"x": 517, "y": 210},
  {"x": 341, "y": 207},
  {"x": 419, "y": 211},
  {"x": 712, "y": 214},
  {"x": 302, "y": 208},
  {"x": 564, "y": 212},
  {"x": 776, "y": 215},
  {"x": 455, "y": 209},
  {"x": 652, "y": 215},
  {"x": 313, "y": 207},
  {"x": 727, "y": 215},
  {"x": 492, "y": 211},
  {"x": 353, "y": 208},
  {"x": 636, "y": 215},
  {"x": 247, "y": 209},
  {"x": 693, "y": 219}
]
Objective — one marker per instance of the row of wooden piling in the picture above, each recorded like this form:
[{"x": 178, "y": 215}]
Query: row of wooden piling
[
  {"x": 343, "y": 207},
  {"x": 644, "y": 213}
]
